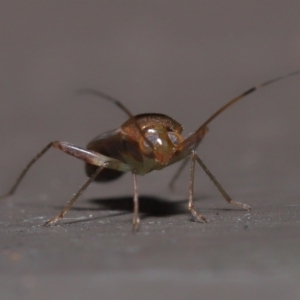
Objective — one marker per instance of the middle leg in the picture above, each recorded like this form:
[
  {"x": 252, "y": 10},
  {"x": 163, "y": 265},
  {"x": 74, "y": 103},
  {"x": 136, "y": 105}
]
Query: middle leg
[
  {"x": 196, "y": 214},
  {"x": 136, "y": 218}
]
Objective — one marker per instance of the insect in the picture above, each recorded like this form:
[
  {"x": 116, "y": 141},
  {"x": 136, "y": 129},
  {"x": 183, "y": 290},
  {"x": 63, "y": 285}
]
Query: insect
[{"x": 144, "y": 143}]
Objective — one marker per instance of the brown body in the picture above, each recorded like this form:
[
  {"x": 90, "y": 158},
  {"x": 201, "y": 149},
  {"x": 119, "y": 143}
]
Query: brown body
[{"x": 123, "y": 143}]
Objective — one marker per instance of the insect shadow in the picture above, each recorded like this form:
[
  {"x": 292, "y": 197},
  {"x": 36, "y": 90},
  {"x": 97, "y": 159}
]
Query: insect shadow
[{"x": 149, "y": 206}]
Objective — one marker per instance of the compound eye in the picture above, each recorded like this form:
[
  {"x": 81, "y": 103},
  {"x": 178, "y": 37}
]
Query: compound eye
[
  {"x": 151, "y": 136},
  {"x": 175, "y": 138}
]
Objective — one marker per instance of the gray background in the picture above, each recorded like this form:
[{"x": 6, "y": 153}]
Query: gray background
[{"x": 181, "y": 58}]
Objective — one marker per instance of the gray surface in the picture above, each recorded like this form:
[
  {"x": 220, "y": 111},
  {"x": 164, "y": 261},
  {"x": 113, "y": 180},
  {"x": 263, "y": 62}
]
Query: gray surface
[{"x": 184, "y": 59}]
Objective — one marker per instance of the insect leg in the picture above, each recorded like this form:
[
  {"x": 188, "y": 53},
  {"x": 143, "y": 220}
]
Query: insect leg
[
  {"x": 217, "y": 184},
  {"x": 195, "y": 214},
  {"x": 184, "y": 163},
  {"x": 136, "y": 219},
  {"x": 25, "y": 170},
  {"x": 81, "y": 153},
  {"x": 93, "y": 158},
  {"x": 71, "y": 202}
]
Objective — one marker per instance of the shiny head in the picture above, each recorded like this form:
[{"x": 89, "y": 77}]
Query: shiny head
[{"x": 160, "y": 136}]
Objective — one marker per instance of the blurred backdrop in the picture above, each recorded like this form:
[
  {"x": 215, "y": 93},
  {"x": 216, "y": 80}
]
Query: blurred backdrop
[{"x": 180, "y": 58}]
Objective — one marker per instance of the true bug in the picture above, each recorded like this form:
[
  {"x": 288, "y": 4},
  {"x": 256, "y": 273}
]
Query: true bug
[{"x": 144, "y": 143}]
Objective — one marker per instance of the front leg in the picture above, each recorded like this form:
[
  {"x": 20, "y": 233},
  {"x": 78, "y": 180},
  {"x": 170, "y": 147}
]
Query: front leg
[
  {"x": 185, "y": 161},
  {"x": 88, "y": 156},
  {"x": 136, "y": 218},
  {"x": 197, "y": 216}
]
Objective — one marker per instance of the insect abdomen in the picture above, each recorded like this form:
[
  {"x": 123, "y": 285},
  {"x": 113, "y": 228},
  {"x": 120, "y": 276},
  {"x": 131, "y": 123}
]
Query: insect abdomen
[
  {"x": 107, "y": 144},
  {"x": 105, "y": 175}
]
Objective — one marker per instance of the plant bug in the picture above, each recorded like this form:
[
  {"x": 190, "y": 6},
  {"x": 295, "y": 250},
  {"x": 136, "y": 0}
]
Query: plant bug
[{"x": 142, "y": 144}]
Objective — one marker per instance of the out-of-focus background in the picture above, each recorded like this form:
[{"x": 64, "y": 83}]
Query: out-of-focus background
[{"x": 180, "y": 58}]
